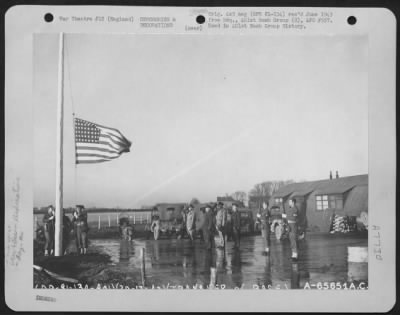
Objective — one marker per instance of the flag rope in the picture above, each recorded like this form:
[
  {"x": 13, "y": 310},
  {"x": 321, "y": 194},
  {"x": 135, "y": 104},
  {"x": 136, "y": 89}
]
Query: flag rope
[{"x": 67, "y": 56}]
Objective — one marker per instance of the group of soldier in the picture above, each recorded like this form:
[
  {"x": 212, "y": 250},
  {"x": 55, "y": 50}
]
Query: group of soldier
[
  {"x": 78, "y": 225},
  {"x": 216, "y": 221},
  {"x": 224, "y": 223}
]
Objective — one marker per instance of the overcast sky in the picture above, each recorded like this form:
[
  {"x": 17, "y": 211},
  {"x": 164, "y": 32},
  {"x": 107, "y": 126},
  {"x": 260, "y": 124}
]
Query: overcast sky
[{"x": 206, "y": 115}]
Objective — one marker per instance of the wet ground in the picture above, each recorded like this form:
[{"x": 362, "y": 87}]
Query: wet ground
[{"x": 322, "y": 262}]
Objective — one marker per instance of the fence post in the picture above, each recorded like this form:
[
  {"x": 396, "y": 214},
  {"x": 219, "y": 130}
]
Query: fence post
[
  {"x": 117, "y": 218},
  {"x": 143, "y": 266},
  {"x": 147, "y": 219},
  {"x": 99, "y": 222},
  {"x": 141, "y": 218},
  {"x": 109, "y": 221},
  {"x": 134, "y": 218}
]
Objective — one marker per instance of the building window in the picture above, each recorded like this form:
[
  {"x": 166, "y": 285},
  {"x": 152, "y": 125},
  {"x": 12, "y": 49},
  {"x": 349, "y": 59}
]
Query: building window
[
  {"x": 336, "y": 201},
  {"x": 278, "y": 201},
  {"x": 329, "y": 201},
  {"x": 322, "y": 202}
]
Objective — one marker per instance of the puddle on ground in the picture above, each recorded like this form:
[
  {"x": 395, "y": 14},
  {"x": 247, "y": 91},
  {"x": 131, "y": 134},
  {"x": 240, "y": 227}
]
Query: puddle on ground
[{"x": 172, "y": 262}]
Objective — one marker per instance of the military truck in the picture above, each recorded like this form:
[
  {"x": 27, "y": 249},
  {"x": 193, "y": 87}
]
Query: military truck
[{"x": 167, "y": 220}]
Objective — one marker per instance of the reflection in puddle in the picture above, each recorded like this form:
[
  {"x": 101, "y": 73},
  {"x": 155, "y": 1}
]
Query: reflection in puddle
[{"x": 322, "y": 258}]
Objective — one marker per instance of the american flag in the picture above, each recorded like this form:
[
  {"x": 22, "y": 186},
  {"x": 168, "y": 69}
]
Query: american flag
[{"x": 95, "y": 143}]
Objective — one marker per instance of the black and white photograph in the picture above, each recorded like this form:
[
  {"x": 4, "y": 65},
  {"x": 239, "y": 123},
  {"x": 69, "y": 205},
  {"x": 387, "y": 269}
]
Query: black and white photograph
[
  {"x": 234, "y": 162},
  {"x": 207, "y": 150}
]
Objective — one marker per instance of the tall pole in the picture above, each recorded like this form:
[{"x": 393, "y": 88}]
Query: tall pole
[{"x": 58, "y": 250}]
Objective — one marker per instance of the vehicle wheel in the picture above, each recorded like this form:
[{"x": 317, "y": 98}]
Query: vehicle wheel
[{"x": 278, "y": 232}]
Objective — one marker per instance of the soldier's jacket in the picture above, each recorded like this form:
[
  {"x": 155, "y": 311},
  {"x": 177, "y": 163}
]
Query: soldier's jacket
[
  {"x": 81, "y": 222},
  {"x": 200, "y": 219},
  {"x": 155, "y": 225},
  {"x": 265, "y": 217},
  {"x": 236, "y": 220},
  {"x": 184, "y": 215},
  {"x": 190, "y": 220},
  {"x": 221, "y": 218},
  {"x": 67, "y": 225},
  {"x": 48, "y": 223},
  {"x": 209, "y": 221},
  {"x": 292, "y": 213}
]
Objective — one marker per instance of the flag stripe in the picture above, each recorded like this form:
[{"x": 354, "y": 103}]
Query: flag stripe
[
  {"x": 106, "y": 156},
  {"x": 92, "y": 161},
  {"x": 84, "y": 149},
  {"x": 102, "y": 144},
  {"x": 111, "y": 140},
  {"x": 110, "y": 131}
]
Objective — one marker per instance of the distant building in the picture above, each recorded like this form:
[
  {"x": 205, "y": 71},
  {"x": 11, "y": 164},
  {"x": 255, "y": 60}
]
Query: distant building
[{"x": 345, "y": 196}]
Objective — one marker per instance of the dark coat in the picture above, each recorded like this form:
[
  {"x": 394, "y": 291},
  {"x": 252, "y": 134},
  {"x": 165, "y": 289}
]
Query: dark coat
[
  {"x": 209, "y": 221},
  {"x": 236, "y": 220},
  {"x": 80, "y": 222},
  {"x": 292, "y": 213}
]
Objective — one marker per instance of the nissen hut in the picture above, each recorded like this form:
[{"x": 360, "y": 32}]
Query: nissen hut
[{"x": 328, "y": 203}]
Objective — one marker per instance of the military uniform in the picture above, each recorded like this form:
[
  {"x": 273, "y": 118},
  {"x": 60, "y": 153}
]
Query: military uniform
[
  {"x": 155, "y": 227},
  {"x": 66, "y": 228},
  {"x": 291, "y": 216},
  {"x": 221, "y": 219},
  {"x": 236, "y": 228},
  {"x": 265, "y": 216},
  {"x": 81, "y": 229},
  {"x": 229, "y": 226},
  {"x": 209, "y": 229},
  {"x": 49, "y": 230},
  {"x": 190, "y": 224}
]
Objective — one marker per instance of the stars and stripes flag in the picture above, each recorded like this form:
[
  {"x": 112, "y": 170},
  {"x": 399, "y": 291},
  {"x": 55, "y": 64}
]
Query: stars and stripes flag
[{"x": 95, "y": 143}]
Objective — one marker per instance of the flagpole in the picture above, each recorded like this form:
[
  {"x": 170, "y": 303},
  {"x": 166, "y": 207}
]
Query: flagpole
[{"x": 58, "y": 250}]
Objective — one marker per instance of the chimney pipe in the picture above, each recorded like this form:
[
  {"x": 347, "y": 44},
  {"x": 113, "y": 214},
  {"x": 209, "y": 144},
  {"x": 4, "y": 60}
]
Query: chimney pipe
[
  {"x": 330, "y": 174},
  {"x": 337, "y": 174}
]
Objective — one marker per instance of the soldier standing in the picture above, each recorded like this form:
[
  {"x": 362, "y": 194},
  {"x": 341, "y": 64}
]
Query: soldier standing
[
  {"x": 49, "y": 230},
  {"x": 235, "y": 226},
  {"x": 81, "y": 228},
  {"x": 291, "y": 216},
  {"x": 190, "y": 223},
  {"x": 265, "y": 226},
  {"x": 183, "y": 226},
  {"x": 66, "y": 228},
  {"x": 208, "y": 227},
  {"x": 221, "y": 219},
  {"x": 228, "y": 225}
]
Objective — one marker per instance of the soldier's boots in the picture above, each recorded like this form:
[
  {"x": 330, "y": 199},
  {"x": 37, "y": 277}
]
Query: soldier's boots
[
  {"x": 46, "y": 252},
  {"x": 294, "y": 255}
]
